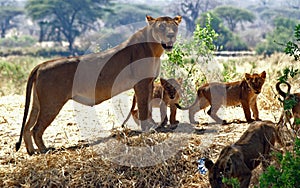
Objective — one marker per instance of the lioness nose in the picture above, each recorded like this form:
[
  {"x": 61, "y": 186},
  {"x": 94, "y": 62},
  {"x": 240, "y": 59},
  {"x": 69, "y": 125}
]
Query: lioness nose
[{"x": 170, "y": 35}]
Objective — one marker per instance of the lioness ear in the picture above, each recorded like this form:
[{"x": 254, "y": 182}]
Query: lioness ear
[
  {"x": 177, "y": 19},
  {"x": 150, "y": 20},
  {"x": 263, "y": 74},
  {"x": 208, "y": 163}
]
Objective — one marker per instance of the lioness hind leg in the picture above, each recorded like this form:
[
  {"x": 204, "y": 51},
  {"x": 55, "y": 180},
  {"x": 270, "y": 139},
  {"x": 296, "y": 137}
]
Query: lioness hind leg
[
  {"x": 30, "y": 123},
  {"x": 46, "y": 116}
]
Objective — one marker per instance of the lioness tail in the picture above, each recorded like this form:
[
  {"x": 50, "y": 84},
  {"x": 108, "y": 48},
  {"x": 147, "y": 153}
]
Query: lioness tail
[
  {"x": 131, "y": 110},
  {"x": 30, "y": 81}
]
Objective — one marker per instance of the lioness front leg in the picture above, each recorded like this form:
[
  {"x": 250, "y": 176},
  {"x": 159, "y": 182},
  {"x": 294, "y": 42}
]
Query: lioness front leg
[
  {"x": 143, "y": 92},
  {"x": 163, "y": 114}
]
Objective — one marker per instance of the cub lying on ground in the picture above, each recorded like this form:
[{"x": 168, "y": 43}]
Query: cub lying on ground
[
  {"x": 289, "y": 96},
  {"x": 228, "y": 94},
  {"x": 239, "y": 159},
  {"x": 168, "y": 91}
]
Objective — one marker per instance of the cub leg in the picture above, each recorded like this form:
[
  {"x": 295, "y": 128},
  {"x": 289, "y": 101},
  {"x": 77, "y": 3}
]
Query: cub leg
[
  {"x": 192, "y": 111},
  {"x": 254, "y": 109},
  {"x": 247, "y": 112},
  {"x": 163, "y": 114},
  {"x": 213, "y": 113},
  {"x": 173, "y": 110}
]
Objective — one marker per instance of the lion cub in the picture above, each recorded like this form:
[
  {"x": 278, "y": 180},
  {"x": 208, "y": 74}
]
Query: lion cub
[
  {"x": 288, "y": 96},
  {"x": 240, "y": 158},
  {"x": 228, "y": 94},
  {"x": 168, "y": 93}
]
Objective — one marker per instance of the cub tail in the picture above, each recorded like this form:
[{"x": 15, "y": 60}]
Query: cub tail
[{"x": 282, "y": 93}]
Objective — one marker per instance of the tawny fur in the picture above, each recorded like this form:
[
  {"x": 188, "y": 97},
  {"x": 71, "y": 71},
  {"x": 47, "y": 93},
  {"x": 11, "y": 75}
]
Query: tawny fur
[
  {"x": 93, "y": 78},
  {"x": 216, "y": 94},
  {"x": 240, "y": 158}
]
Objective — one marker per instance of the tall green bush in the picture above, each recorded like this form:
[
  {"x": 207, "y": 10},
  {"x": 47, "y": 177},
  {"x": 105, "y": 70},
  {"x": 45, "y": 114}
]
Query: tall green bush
[
  {"x": 186, "y": 56},
  {"x": 288, "y": 173},
  {"x": 287, "y": 176}
]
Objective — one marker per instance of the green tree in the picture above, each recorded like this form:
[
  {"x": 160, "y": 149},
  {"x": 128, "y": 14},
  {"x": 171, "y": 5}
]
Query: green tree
[
  {"x": 227, "y": 40},
  {"x": 71, "y": 18},
  {"x": 234, "y": 16},
  {"x": 283, "y": 31},
  {"x": 191, "y": 9},
  {"x": 129, "y": 13},
  {"x": 7, "y": 13}
]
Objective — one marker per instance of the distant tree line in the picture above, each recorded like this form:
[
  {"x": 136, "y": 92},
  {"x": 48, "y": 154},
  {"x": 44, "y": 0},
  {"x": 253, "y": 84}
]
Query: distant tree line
[{"x": 263, "y": 25}]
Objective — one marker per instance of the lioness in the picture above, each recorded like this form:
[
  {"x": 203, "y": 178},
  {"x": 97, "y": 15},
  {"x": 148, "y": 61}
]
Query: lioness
[
  {"x": 229, "y": 94},
  {"x": 289, "y": 96},
  {"x": 168, "y": 93},
  {"x": 240, "y": 158},
  {"x": 93, "y": 78}
]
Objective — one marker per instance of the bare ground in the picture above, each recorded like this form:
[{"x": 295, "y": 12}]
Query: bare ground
[
  {"x": 78, "y": 124},
  {"x": 114, "y": 158}
]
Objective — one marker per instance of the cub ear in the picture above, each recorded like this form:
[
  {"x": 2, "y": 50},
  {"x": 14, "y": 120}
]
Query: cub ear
[
  {"x": 263, "y": 74},
  {"x": 179, "y": 80},
  {"x": 177, "y": 19},
  {"x": 208, "y": 163},
  {"x": 150, "y": 20}
]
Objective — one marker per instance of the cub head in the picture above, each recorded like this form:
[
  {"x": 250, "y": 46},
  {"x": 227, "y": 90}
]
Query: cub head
[
  {"x": 164, "y": 30},
  {"x": 225, "y": 167},
  {"x": 172, "y": 87},
  {"x": 255, "y": 81}
]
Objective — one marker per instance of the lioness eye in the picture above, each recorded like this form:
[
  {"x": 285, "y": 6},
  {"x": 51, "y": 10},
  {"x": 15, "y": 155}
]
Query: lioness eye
[{"x": 162, "y": 27}]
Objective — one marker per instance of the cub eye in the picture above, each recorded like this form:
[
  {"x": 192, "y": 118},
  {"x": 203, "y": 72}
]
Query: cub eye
[{"x": 162, "y": 27}]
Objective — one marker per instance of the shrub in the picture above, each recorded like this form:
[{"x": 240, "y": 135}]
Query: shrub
[
  {"x": 187, "y": 57},
  {"x": 287, "y": 176}
]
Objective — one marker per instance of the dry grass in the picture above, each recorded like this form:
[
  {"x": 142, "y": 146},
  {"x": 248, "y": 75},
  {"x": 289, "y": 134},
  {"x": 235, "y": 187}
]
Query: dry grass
[{"x": 112, "y": 163}]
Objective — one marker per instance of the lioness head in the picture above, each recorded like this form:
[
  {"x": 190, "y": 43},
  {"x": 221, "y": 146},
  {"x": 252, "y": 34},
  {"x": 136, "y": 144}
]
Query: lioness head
[
  {"x": 172, "y": 87},
  {"x": 164, "y": 30},
  {"x": 255, "y": 81}
]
